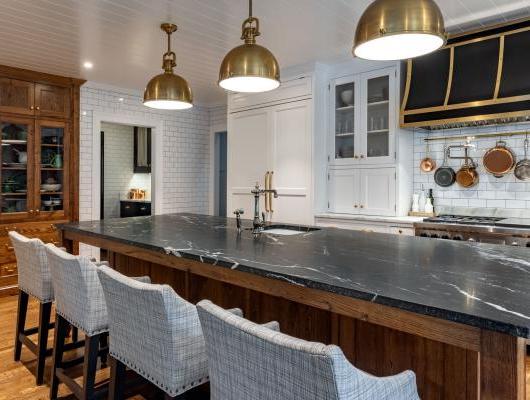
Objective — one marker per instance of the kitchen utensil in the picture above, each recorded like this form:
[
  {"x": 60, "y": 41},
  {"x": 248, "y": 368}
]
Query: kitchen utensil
[
  {"x": 522, "y": 169},
  {"x": 427, "y": 164},
  {"x": 57, "y": 202},
  {"x": 47, "y": 203},
  {"x": 499, "y": 160},
  {"x": 421, "y": 200},
  {"x": 56, "y": 160},
  {"x": 22, "y": 156},
  {"x": 347, "y": 97},
  {"x": 467, "y": 175},
  {"x": 445, "y": 176}
]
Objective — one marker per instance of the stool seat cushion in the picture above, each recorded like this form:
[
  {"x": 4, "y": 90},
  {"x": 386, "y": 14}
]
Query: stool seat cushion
[
  {"x": 34, "y": 275},
  {"x": 78, "y": 293},
  {"x": 248, "y": 361}
]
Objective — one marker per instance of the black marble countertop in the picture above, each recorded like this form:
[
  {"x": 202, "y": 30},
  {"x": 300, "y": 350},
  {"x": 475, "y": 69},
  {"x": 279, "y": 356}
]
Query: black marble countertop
[{"x": 483, "y": 285}]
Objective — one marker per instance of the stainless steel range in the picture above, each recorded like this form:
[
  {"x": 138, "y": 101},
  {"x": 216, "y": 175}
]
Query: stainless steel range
[{"x": 498, "y": 230}]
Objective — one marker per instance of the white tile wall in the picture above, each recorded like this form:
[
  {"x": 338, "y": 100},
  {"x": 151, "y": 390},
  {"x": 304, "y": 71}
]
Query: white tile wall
[
  {"x": 491, "y": 192},
  {"x": 119, "y": 175},
  {"x": 185, "y": 159},
  {"x": 218, "y": 116}
]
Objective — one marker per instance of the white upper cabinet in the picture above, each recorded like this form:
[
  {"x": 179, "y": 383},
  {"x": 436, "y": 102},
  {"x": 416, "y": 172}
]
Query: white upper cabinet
[{"x": 363, "y": 112}]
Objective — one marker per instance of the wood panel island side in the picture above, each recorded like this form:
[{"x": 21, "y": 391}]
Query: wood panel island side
[{"x": 454, "y": 313}]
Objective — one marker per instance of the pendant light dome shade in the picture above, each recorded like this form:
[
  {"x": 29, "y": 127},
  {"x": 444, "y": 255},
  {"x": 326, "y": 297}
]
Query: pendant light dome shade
[
  {"x": 168, "y": 91},
  {"x": 399, "y": 29},
  {"x": 249, "y": 68}
]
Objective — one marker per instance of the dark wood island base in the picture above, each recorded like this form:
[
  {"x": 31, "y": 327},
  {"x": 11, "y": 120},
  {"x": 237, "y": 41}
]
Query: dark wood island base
[{"x": 451, "y": 360}]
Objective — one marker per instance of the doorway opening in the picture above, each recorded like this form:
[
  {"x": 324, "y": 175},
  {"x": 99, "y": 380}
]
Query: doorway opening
[
  {"x": 220, "y": 160},
  {"x": 125, "y": 165}
]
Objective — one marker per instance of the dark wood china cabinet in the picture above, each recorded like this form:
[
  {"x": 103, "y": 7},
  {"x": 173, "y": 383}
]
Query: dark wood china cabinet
[{"x": 39, "y": 156}]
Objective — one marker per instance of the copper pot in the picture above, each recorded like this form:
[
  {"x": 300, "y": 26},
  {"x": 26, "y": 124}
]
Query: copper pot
[
  {"x": 427, "y": 164},
  {"x": 499, "y": 160},
  {"x": 467, "y": 175}
]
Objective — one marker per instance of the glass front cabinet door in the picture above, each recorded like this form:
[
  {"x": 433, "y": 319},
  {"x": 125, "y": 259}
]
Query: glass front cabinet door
[
  {"x": 52, "y": 177},
  {"x": 363, "y": 117},
  {"x": 16, "y": 169},
  {"x": 344, "y": 119}
]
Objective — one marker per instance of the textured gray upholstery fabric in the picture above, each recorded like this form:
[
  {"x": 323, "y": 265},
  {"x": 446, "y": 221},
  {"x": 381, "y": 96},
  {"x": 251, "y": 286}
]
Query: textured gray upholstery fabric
[
  {"x": 78, "y": 294},
  {"x": 34, "y": 276},
  {"x": 252, "y": 362},
  {"x": 154, "y": 332}
]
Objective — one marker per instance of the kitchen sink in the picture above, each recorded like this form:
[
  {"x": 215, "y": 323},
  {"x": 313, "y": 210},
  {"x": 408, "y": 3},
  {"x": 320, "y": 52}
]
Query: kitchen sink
[{"x": 288, "y": 230}]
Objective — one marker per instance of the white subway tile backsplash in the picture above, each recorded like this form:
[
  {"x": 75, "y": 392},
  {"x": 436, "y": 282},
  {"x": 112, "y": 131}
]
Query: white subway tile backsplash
[{"x": 506, "y": 191}]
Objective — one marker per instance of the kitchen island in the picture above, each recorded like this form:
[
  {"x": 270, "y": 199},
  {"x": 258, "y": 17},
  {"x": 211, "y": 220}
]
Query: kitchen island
[{"x": 457, "y": 314}]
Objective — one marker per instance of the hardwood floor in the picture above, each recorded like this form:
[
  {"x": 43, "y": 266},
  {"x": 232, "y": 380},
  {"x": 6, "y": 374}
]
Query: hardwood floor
[{"x": 17, "y": 379}]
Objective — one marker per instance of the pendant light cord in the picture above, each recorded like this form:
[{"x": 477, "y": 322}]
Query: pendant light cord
[{"x": 250, "y": 8}]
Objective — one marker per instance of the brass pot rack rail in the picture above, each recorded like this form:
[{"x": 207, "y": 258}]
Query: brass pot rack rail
[{"x": 469, "y": 138}]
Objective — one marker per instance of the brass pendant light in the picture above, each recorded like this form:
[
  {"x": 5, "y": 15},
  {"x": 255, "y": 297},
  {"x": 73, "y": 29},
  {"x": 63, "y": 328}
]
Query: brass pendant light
[
  {"x": 168, "y": 91},
  {"x": 399, "y": 29},
  {"x": 250, "y": 67}
]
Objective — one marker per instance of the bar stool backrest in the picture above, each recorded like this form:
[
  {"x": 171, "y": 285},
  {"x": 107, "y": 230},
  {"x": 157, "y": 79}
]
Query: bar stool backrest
[
  {"x": 78, "y": 294},
  {"x": 34, "y": 276},
  {"x": 249, "y": 361},
  {"x": 155, "y": 332}
]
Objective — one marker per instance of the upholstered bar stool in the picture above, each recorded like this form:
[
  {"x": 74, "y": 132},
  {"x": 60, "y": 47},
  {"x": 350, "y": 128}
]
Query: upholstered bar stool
[
  {"x": 79, "y": 301},
  {"x": 153, "y": 332},
  {"x": 33, "y": 280},
  {"x": 249, "y": 361}
]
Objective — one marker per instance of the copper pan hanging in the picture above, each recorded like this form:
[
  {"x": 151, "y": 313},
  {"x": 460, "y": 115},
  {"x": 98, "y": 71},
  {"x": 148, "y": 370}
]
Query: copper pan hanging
[
  {"x": 427, "y": 164},
  {"x": 499, "y": 160}
]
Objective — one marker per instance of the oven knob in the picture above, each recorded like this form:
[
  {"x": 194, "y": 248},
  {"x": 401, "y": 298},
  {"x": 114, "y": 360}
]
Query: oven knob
[
  {"x": 434, "y": 235},
  {"x": 514, "y": 243},
  {"x": 425, "y": 235},
  {"x": 471, "y": 240},
  {"x": 445, "y": 237},
  {"x": 458, "y": 238}
]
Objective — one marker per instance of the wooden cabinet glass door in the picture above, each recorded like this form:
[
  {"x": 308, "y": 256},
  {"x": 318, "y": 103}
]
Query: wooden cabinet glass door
[
  {"x": 16, "y": 169},
  {"x": 52, "y": 177}
]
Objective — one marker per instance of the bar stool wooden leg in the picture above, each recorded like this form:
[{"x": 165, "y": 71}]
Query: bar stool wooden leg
[
  {"x": 21, "y": 321},
  {"x": 90, "y": 365},
  {"x": 45, "y": 310},
  {"x": 75, "y": 334},
  {"x": 117, "y": 379},
  {"x": 104, "y": 345},
  {"x": 61, "y": 327}
]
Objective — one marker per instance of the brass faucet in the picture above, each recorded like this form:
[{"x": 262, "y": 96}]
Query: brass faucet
[{"x": 258, "y": 223}]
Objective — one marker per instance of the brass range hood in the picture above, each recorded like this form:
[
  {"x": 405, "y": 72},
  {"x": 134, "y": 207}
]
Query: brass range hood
[{"x": 477, "y": 78}]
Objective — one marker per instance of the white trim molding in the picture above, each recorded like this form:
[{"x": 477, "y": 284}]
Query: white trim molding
[{"x": 156, "y": 155}]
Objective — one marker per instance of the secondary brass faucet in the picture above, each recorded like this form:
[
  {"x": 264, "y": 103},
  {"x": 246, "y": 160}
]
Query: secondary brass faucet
[{"x": 258, "y": 223}]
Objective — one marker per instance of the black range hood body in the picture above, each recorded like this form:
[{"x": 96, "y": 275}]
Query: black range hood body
[{"x": 477, "y": 78}]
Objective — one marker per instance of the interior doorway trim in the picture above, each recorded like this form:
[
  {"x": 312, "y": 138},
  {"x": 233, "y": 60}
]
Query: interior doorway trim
[
  {"x": 157, "y": 133},
  {"x": 211, "y": 198}
]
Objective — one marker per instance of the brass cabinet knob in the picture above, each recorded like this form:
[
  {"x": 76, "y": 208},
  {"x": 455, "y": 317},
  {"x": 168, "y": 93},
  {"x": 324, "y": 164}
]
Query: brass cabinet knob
[
  {"x": 400, "y": 231},
  {"x": 38, "y": 108},
  {"x": 31, "y": 107},
  {"x": 30, "y": 212},
  {"x": 361, "y": 206},
  {"x": 355, "y": 156},
  {"x": 362, "y": 155},
  {"x": 37, "y": 211},
  {"x": 355, "y": 205}
]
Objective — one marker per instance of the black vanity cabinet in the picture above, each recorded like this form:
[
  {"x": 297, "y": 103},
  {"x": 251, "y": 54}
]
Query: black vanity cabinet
[{"x": 134, "y": 208}]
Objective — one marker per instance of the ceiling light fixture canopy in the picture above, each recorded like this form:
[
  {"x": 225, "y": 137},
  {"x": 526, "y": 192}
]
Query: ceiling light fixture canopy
[
  {"x": 250, "y": 67},
  {"x": 168, "y": 91},
  {"x": 399, "y": 29}
]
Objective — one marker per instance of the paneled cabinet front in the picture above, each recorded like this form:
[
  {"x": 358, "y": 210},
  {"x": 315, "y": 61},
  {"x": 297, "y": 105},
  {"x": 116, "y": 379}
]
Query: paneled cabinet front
[
  {"x": 276, "y": 139},
  {"x": 362, "y": 191},
  {"x": 29, "y": 98}
]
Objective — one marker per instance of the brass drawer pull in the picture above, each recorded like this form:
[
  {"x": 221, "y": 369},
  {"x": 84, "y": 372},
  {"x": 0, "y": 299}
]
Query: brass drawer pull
[{"x": 9, "y": 248}]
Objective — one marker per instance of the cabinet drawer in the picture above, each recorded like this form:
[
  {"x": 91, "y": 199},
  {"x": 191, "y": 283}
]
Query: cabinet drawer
[
  {"x": 397, "y": 230},
  {"x": 134, "y": 209}
]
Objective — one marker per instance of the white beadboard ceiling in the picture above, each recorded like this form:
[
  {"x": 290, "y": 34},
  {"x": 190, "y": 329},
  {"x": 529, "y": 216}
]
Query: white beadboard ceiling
[{"x": 123, "y": 40}]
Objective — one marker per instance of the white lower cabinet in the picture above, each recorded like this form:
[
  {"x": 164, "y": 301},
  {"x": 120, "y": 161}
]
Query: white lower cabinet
[
  {"x": 363, "y": 191},
  {"x": 394, "y": 225}
]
